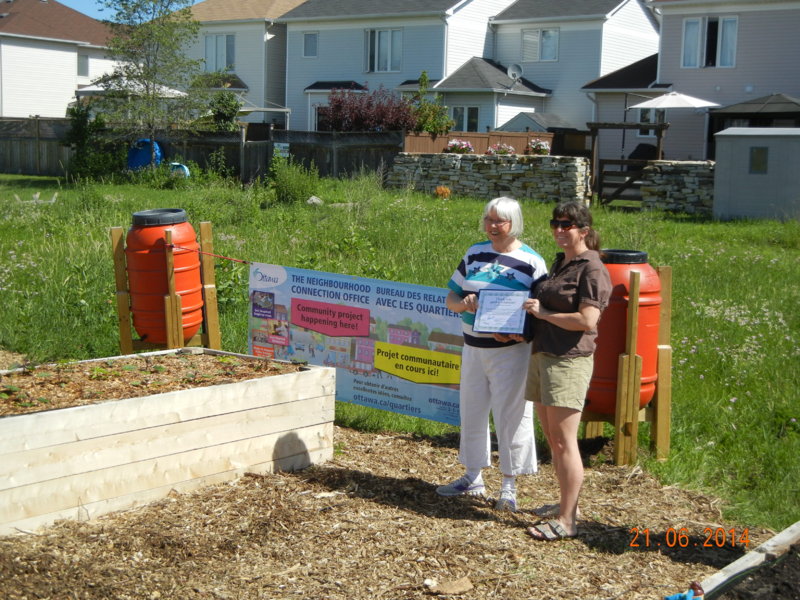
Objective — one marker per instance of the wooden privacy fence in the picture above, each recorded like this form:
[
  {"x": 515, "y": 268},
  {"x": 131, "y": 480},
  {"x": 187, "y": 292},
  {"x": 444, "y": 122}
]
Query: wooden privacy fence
[
  {"x": 425, "y": 143},
  {"x": 33, "y": 146},
  {"x": 36, "y": 147},
  {"x": 333, "y": 154}
]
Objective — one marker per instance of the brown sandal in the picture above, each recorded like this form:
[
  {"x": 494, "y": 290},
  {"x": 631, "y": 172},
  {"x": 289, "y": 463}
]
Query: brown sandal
[{"x": 549, "y": 531}]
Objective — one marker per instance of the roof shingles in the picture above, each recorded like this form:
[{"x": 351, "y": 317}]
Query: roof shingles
[
  {"x": 242, "y": 10},
  {"x": 345, "y": 9},
  {"x": 51, "y": 20}
]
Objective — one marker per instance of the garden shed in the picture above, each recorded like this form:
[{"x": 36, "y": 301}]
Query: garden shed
[{"x": 757, "y": 173}]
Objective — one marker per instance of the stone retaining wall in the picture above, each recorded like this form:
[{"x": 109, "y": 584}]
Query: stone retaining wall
[
  {"x": 542, "y": 178},
  {"x": 679, "y": 186}
]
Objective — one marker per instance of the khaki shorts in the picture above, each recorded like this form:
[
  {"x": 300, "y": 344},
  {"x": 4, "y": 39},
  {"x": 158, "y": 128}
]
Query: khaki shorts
[{"x": 559, "y": 381}]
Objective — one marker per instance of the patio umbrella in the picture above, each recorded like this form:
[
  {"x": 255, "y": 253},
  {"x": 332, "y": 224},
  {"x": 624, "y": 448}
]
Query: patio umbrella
[
  {"x": 675, "y": 100},
  {"x": 101, "y": 88}
]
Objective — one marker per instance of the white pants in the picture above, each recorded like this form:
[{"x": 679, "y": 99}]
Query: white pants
[{"x": 493, "y": 379}]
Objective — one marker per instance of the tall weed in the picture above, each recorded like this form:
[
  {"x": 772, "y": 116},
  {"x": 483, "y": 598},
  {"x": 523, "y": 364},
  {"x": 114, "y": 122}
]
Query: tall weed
[
  {"x": 735, "y": 324},
  {"x": 293, "y": 182}
]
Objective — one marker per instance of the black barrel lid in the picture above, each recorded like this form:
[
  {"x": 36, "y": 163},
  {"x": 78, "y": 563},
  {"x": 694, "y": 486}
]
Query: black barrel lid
[
  {"x": 624, "y": 257},
  {"x": 159, "y": 216}
]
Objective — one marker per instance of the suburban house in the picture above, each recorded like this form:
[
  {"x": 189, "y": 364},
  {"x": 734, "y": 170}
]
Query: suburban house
[
  {"x": 47, "y": 51},
  {"x": 483, "y": 94},
  {"x": 241, "y": 39},
  {"x": 729, "y": 52},
  {"x": 361, "y": 44},
  {"x": 562, "y": 45}
]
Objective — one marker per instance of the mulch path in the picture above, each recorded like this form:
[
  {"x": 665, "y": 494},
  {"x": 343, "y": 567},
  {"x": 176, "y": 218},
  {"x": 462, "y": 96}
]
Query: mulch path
[{"x": 369, "y": 525}]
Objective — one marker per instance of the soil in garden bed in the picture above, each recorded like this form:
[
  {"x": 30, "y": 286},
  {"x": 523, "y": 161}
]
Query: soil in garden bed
[
  {"x": 778, "y": 580},
  {"x": 61, "y": 385}
]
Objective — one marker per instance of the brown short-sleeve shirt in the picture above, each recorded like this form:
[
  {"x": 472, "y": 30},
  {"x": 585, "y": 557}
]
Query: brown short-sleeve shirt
[{"x": 583, "y": 280}]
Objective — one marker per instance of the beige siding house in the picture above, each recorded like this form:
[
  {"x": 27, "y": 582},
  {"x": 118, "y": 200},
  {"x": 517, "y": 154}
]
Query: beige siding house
[
  {"x": 726, "y": 52},
  {"x": 242, "y": 39}
]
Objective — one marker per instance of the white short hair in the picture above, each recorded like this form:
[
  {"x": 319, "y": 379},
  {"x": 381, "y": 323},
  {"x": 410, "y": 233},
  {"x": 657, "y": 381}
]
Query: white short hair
[{"x": 506, "y": 208}]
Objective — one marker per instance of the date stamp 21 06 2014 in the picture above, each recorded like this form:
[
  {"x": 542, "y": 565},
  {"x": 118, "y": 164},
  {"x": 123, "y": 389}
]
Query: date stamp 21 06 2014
[{"x": 681, "y": 537}]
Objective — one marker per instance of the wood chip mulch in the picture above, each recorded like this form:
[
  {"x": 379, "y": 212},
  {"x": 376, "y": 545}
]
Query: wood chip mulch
[{"x": 369, "y": 525}]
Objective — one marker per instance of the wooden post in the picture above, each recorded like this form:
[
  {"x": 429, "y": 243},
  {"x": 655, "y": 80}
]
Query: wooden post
[
  {"x": 629, "y": 376},
  {"x": 662, "y": 401},
  {"x": 173, "y": 306},
  {"x": 593, "y": 163},
  {"x": 122, "y": 295},
  {"x": 211, "y": 335}
]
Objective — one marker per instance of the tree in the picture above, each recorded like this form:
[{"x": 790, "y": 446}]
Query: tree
[
  {"x": 151, "y": 87},
  {"x": 355, "y": 110},
  {"x": 431, "y": 115}
]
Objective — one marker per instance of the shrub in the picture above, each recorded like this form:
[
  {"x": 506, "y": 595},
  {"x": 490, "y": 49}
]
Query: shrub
[
  {"x": 456, "y": 146},
  {"x": 500, "y": 149},
  {"x": 293, "y": 183},
  {"x": 92, "y": 156},
  {"x": 355, "y": 110}
]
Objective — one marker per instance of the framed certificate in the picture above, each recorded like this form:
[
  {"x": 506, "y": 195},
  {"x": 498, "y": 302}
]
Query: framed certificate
[{"x": 500, "y": 311}]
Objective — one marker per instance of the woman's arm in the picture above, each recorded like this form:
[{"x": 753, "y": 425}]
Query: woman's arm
[
  {"x": 457, "y": 304},
  {"x": 584, "y": 320}
]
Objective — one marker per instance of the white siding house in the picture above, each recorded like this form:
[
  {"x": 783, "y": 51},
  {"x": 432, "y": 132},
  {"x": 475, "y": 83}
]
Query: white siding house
[
  {"x": 562, "y": 45},
  {"x": 47, "y": 51},
  {"x": 361, "y": 43}
]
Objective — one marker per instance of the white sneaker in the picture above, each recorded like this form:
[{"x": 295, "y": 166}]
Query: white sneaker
[
  {"x": 506, "y": 501},
  {"x": 462, "y": 486}
]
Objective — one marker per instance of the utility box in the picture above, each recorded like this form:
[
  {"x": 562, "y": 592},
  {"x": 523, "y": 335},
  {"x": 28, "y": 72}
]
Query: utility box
[{"x": 757, "y": 175}]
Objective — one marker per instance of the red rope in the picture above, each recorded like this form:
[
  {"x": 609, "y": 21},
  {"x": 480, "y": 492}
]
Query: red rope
[{"x": 247, "y": 262}]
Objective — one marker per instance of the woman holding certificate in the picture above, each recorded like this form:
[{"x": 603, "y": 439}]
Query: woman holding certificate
[
  {"x": 493, "y": 366},
  {"x": 567, "y": 308}
]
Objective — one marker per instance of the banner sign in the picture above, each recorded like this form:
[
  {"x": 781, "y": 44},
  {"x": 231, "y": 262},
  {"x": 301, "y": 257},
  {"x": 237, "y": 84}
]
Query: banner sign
[{"x": 395, "y": 346}]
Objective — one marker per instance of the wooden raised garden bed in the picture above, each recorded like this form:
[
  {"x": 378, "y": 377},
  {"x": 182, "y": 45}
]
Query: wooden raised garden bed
[{"x": 84, "y": 461}]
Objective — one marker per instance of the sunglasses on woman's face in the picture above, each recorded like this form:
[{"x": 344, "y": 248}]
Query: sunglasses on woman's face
[{"x": 564, "y": 225}]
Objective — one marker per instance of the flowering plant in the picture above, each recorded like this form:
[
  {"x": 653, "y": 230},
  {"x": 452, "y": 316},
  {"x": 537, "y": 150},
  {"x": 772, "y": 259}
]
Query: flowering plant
[
  {"x": 456, "y": 146},
  {"x": 537, "y": 147},
  {"x": 500, "y": 149}
]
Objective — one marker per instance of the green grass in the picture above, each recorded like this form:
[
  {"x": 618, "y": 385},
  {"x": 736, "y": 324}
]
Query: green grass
[{"x": 735, "y": 430}]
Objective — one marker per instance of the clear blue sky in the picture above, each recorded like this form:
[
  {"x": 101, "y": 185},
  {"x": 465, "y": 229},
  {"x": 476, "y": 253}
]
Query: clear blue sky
[{"x": 92, "y": 8}]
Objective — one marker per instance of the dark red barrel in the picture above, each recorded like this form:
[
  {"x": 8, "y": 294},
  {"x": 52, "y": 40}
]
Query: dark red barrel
[
  {"x": 602, "y": 395},
  {"x": 147, "y": 272}
]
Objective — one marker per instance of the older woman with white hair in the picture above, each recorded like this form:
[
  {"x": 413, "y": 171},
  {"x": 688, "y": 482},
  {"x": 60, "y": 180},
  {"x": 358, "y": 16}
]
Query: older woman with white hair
[{"x": 493, "y": 366}]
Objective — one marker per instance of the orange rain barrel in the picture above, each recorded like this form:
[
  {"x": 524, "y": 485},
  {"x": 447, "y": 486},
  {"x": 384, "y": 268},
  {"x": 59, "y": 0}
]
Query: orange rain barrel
[
  {"x": 145, "y": 254},
  {"x": 602, "y": 395}
]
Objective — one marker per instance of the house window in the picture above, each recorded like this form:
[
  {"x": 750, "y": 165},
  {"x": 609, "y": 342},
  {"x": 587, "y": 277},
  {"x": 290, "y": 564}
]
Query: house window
[
  {"x": 310, "y": 41},
  {"x": 759, "y": 156},
  {"x": 539, "y": 45},
  {"x": 465, "y": 117},
  {"x": 220, "y": 52},
  {"x": 650, "y": 115},
  {"x": 384, "y": 49},
  {"x": 83, "y": 65},
  {"x": 709, "y": 42}
]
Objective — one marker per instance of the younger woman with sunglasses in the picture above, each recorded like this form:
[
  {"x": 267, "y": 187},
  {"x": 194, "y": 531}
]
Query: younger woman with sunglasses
[{"x": 568, "y": 305}]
